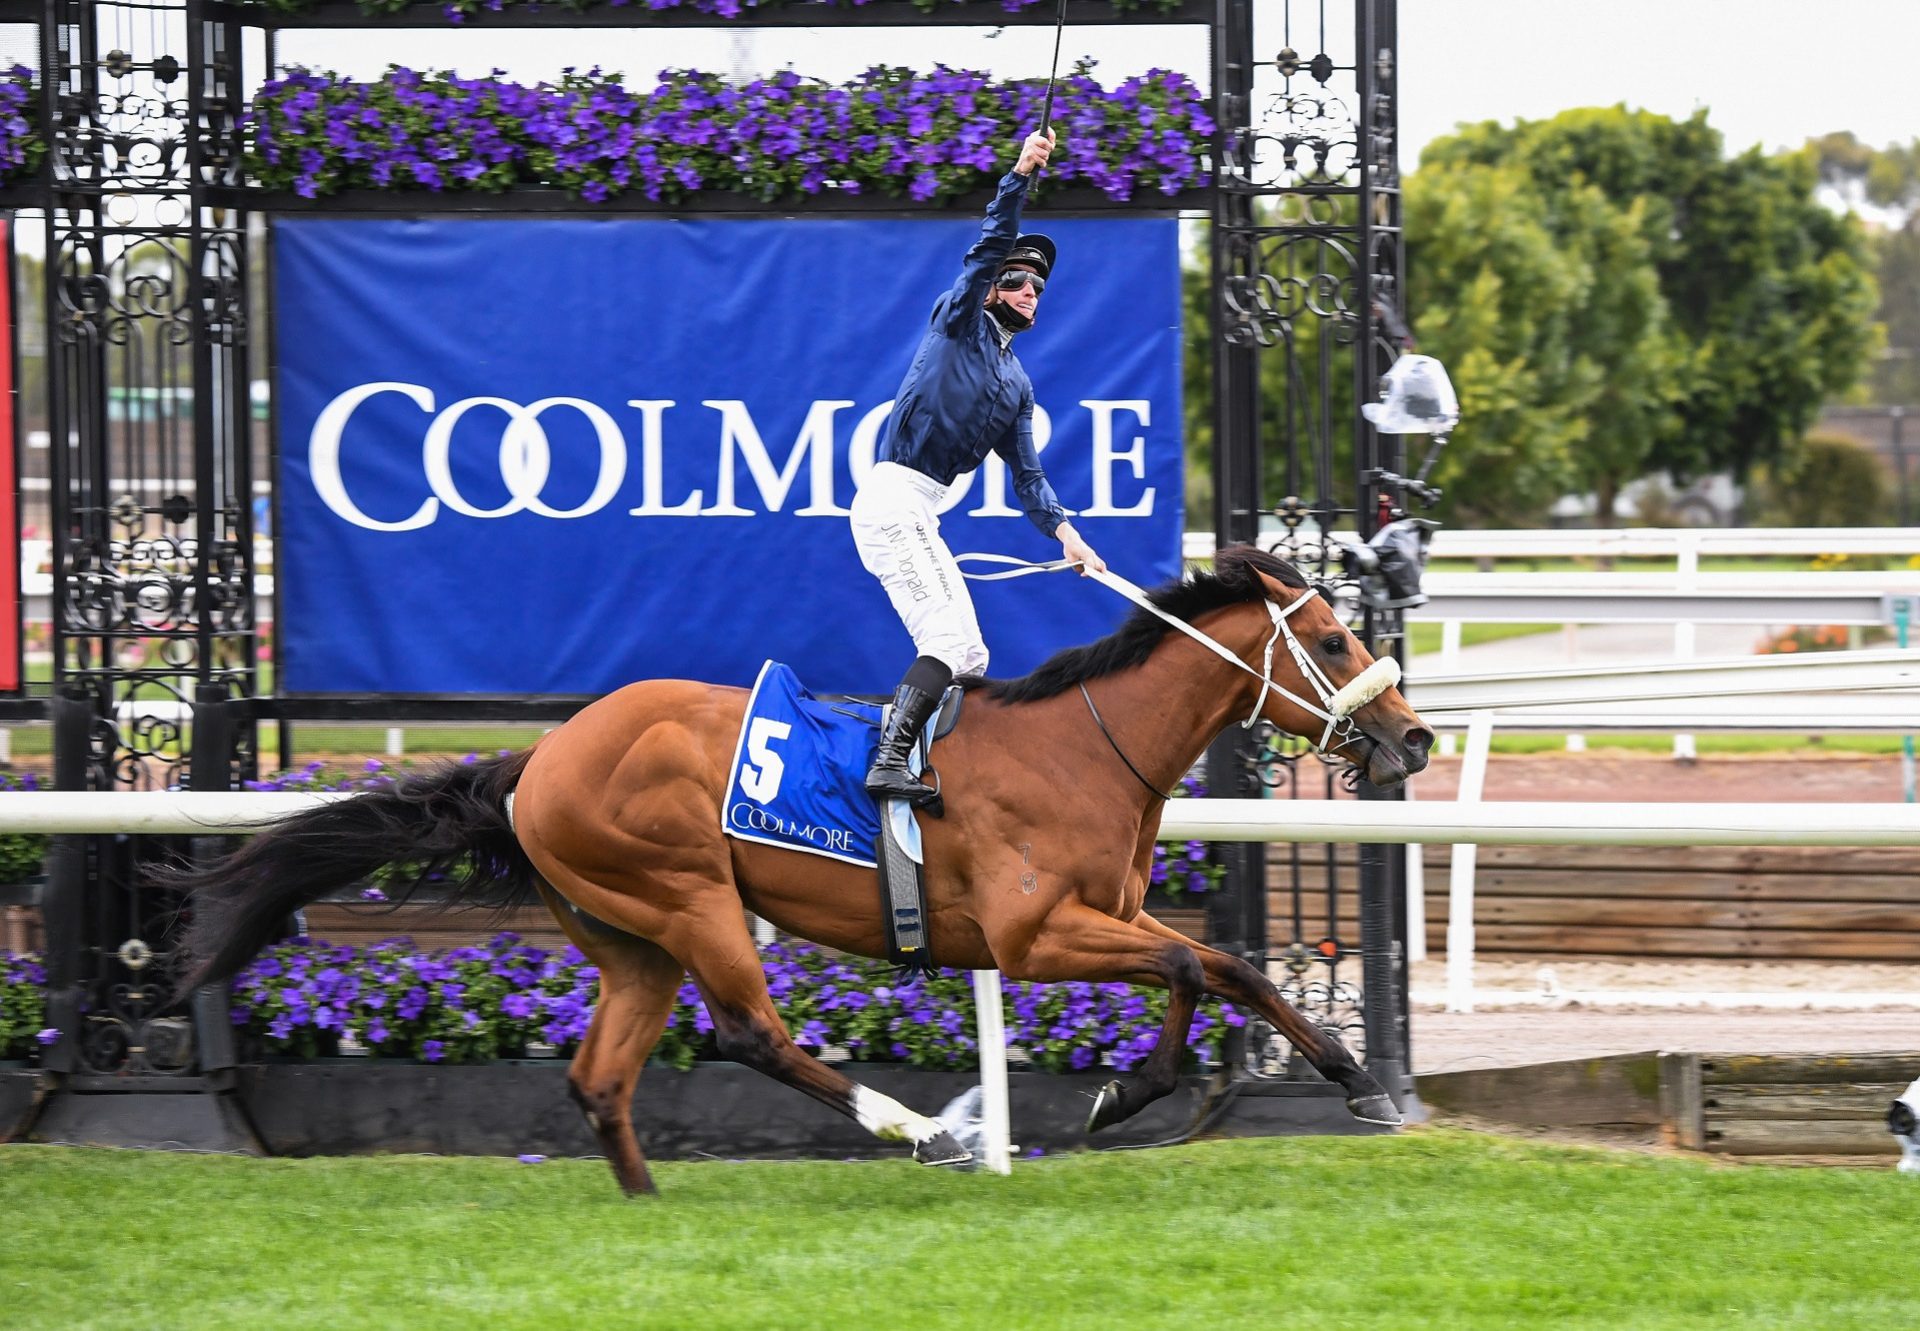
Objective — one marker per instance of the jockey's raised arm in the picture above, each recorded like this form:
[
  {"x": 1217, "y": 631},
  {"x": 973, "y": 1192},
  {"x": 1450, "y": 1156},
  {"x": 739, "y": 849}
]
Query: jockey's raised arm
[{"x": 965, "y": 394}]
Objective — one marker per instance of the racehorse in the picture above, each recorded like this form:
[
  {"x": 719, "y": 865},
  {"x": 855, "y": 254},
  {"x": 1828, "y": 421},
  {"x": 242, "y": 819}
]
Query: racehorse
[{"x": 1053, "y": 791}]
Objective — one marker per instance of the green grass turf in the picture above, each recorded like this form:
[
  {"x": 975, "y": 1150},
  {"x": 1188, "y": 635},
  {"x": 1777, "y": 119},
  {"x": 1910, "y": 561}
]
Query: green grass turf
[
  {"x": 1423, "y": 638},
  {"x": 1430, "y": 1229}
]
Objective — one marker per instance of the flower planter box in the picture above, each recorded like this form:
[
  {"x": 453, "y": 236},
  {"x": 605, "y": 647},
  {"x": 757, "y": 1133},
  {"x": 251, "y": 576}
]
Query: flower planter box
[
  {"x": 353, "y": 1106},
  {"x": 22, "y": 1088},
  {"x": 901, "y": 13}
]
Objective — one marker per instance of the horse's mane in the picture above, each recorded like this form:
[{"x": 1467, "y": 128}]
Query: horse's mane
[{"x": 1230, "y": 582}]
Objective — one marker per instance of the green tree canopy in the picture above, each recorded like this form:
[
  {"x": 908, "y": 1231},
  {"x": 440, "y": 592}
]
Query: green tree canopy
[
  {"x": 1886, "y": 180},
  {"x": 1614, "y": 295}
]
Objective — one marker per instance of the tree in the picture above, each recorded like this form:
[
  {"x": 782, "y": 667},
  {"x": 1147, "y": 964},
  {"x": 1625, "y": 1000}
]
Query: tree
[
  {"x": 1887, "y": 181},
  {"x": 1694, "y": 312},
  {"x": 1828, "y": 481},
  {"x": 1548, "y": 316}
]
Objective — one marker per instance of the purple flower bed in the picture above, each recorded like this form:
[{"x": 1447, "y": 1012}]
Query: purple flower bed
[
  {"x": 23, "y": 1005},
  {"x": 472, "y": 1004},
  {"x": 316, "y": 775},
  {"x": 1191, "y": 871},
  {"x": 457, "y": 11},
  {"x": 891, "y": 131},
  {"x": 21, "y": 145}
]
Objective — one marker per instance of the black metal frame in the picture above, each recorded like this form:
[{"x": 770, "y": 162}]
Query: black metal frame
[
  {"x": 153, "y": 614},
  {"x": 208, "y": 588},
  {"x": 10, "y": 275},
  {"x": 1307, "y": 270}
]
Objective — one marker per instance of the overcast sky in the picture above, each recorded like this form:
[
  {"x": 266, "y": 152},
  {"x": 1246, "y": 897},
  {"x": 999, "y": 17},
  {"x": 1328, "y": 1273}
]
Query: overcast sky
[{"x": 1772, "y": 72}]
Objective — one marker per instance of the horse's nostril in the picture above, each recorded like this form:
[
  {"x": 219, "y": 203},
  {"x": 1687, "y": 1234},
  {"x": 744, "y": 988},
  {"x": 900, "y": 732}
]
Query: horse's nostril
[{"x": 1418, "y": 741}]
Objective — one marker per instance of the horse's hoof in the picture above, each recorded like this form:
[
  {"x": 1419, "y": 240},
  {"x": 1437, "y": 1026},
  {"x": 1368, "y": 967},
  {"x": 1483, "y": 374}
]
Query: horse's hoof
[
  {"x": 1375, "y": 1109},
  {"x": 941, "y": 1149},
  {"x": 1106, "y": 1108}
]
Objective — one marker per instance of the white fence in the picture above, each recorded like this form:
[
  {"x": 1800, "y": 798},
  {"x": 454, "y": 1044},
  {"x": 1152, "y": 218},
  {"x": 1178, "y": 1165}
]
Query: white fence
[
  {"x": 1686, "y": 544},
  {"x": 1460, "y": 823},
  {"x": 1443, "y": 821}
]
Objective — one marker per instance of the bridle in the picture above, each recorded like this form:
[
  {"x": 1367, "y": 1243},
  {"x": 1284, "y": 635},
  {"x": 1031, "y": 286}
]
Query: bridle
[{"x": 1336, "y": 705}]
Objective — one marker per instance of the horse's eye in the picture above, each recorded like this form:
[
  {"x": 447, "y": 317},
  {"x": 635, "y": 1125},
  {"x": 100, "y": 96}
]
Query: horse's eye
[{"x": 1334, "y": 646}]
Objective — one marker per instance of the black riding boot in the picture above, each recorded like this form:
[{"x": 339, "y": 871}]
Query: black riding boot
[{"x": 888, "y": 778}]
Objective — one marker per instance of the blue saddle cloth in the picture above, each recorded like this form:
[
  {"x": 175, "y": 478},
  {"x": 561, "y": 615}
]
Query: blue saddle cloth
[{"x": 799, "y": 771}]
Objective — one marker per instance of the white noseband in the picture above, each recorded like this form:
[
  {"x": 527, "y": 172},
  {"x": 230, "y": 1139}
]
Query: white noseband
[{"x": 1338, "y": 705}]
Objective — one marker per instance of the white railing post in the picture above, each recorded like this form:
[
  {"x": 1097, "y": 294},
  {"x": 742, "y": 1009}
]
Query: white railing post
[
  {"x": 1473, "y": 779},
  {"x": 1688, "y": 578},
  {"x": 1449, "y": 664},
  {"x": 1416, "y": 896},
  {"x": 996, "y": 1117}
]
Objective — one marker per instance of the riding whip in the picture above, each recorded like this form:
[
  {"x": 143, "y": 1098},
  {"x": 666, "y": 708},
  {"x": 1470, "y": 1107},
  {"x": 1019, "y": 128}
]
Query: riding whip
[{"x": 1053, "y": 70}]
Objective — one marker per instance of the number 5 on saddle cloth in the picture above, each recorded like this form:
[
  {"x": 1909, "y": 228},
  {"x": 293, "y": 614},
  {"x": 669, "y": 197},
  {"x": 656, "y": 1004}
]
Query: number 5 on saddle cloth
[{"x": 799, "y": 782}]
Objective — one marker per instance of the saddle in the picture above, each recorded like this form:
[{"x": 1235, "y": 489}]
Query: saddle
[{"x": 799, "y": 782}]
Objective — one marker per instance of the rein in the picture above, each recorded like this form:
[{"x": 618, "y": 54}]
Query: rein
[
  {"x": 1158, "y": 793},
  {"x": 1336, "y": 706}
]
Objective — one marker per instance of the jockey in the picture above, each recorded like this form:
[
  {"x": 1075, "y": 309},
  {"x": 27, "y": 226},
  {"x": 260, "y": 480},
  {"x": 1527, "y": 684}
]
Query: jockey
[{"x": 964, "y": 394}]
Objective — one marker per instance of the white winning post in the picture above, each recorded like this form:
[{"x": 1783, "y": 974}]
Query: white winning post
[
  {"x": 996, "y": 1116},
  {"x": 1473, "y": 780}
]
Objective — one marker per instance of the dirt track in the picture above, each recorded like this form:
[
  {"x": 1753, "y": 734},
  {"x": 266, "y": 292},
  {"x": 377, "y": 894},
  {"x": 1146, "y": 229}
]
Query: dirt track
[
  {"x": 1501, "y": 1036},
  {"x": 1621, "y": 775}
]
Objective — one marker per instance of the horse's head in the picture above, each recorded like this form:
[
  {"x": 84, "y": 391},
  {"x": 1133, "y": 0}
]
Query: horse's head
[{"x": 1318, "y": 660}]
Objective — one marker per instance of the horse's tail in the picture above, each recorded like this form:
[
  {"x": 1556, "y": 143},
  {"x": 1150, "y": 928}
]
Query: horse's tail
[{"x": 446, "y": 823}]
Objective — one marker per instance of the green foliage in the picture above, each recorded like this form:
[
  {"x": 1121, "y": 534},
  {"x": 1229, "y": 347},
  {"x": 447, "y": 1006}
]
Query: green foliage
[
  {"x": 23, "y": 1003},
  {"x": 21, "y": 853},
  {"x": 1614, "y": 295},
  {"x": 1829, "y": 480},
  {"x": 1888, "y": 180}
]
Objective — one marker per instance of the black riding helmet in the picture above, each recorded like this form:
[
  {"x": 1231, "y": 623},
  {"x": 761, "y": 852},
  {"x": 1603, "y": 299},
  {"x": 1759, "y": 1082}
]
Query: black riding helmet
[{"x": 1036, "y": 251}]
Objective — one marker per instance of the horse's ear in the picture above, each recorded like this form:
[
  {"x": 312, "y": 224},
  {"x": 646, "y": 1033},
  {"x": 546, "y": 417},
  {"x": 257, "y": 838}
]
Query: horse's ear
[{"x": 1274, "y": 589}]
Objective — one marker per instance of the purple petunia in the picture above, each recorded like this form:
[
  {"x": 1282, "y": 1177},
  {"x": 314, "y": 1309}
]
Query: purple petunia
[
  {"x": 931, "y": 136},
  {"x": 468, "y": 1004},
  {"x": 457, "y": 12},
  {"x": 21, "y": 144}
]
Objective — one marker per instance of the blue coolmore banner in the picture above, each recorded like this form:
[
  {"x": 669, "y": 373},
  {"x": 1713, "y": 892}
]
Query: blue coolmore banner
[{"x": 558, "y": 456}]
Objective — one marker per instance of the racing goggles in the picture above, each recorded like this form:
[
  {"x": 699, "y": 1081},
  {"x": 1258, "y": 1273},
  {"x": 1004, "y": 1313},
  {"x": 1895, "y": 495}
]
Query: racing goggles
[{"x": 1015, "y": 278}]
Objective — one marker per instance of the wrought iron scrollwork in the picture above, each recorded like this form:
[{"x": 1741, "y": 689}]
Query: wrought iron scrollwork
[
  {"x": 1308, "y": 279},
  {"x": 152, "y": 521}
]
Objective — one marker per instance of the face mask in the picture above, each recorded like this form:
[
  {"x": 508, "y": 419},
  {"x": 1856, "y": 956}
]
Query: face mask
[{"x": 1009, "y": 318}]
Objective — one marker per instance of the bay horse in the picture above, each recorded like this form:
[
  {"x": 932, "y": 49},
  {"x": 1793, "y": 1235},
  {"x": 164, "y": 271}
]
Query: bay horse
[{"x": 1039, "y": 867}]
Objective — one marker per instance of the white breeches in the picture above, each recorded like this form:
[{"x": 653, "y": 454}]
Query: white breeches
[{"x": 897, "y": 533}]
